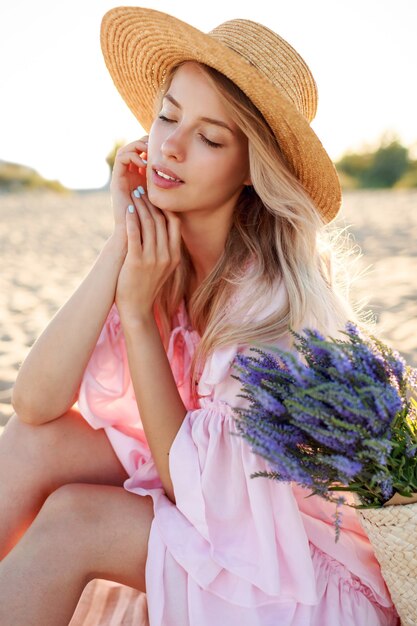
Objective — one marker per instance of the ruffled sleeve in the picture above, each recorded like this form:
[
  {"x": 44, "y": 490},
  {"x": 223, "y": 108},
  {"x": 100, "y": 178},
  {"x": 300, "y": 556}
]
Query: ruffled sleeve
[
  {"x": 106, "y": 396},
  {"x": 245, "y": 539}
]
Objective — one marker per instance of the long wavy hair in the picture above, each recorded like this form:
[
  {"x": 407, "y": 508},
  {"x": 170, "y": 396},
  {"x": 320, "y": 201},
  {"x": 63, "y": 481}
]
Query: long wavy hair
[{"x": 277, "y": 235}]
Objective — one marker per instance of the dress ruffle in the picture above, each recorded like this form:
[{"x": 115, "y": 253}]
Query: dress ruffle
[{"x": 233, "y": 549}]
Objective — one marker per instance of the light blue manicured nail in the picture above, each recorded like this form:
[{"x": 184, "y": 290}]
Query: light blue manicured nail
[
  {"x": 136, "y": 193},
  {"x": 141, "y": 189},
  {"x": 131, "y": 208},
  {"x": 145, "y": 161}
]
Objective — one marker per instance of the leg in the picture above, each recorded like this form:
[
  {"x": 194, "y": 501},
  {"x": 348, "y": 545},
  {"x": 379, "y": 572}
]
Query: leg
[
  {"x": 36, "y": 460},
  {"x": 82, "y": 532}
]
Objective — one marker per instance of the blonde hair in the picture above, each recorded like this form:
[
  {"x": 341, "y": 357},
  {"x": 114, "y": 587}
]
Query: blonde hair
[{"x": 276, "y": 225}]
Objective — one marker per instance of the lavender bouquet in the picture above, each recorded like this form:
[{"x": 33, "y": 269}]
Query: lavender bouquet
[{"x": 339, "y": 415}]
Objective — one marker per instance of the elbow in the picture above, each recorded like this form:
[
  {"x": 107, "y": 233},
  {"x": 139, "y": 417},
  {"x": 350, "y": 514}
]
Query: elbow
[
  {"x": 26, "y": 411},
  {"x": 17, "y": 406},
  {"x": 22, "y": 411},
  {"x": 19, "y": 401},
  {"x": 37, "y": 411},
  {"x": 25, "y": 416}
]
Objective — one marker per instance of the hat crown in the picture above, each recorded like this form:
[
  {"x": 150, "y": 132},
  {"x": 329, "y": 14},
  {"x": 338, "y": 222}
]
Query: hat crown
[{"x": 275, "y": 58}]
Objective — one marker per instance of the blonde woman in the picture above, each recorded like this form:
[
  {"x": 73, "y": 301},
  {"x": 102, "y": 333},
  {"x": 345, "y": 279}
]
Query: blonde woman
[{"x": 120, "y": 459}]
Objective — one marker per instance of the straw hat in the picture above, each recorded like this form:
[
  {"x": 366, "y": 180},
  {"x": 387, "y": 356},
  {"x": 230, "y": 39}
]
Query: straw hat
[{"x": 141, "y": 45}]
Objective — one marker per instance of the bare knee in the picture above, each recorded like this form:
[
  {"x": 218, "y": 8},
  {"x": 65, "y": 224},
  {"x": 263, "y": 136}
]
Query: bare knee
[
  {"x": 68, "y": 517},
  {"x": 64, "y": 450},
  {"x": 69, "y": 505},
  {"x": 63, "y": 530},
  {"x": 22, "y": 445},
  {"x": 27, "y": 449},
  {"x": 105, "y": 528}
]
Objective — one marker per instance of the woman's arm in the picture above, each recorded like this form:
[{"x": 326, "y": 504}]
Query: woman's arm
[
  {"x": 48, "y": 380},
  {"x": 161, "y": 408},
  {"x": 153, "y": 253}
]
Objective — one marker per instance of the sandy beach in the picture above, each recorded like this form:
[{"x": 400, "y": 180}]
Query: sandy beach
[{"x": 48, "y": 243}]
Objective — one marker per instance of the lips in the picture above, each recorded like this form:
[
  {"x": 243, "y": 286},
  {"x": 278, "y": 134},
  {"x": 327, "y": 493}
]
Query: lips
[{"x": 166, "y": 171}]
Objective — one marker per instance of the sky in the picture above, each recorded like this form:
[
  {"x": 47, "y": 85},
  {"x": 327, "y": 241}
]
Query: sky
[{"x": 61, "y": 113}]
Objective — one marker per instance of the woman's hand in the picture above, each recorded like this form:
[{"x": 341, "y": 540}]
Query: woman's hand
[
  {"x": 153, "y": 253},
  {"x": 129, "y": 171}
]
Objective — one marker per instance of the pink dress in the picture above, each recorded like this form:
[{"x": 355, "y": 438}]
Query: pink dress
[{"x": 233, "y": 550}]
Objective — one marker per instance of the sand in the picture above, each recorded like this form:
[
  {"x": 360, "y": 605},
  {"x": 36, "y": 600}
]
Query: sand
[{"x": 48, "y": 243}]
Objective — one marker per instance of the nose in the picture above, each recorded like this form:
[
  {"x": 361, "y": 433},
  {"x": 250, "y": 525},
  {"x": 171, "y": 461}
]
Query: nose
[{"x": 173, "y": 145}]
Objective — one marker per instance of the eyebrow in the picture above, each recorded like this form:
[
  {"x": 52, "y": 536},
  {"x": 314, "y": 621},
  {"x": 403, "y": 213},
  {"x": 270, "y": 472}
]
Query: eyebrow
[{"x": 210, "y": 120}]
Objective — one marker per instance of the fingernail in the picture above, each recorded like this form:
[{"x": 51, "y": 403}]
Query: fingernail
[
  {"x": 131, "y": 208},
  {"x": 145, "y": 161},
  {"x": 136, "y": 193},
  {"x": 141, "y": 189}
]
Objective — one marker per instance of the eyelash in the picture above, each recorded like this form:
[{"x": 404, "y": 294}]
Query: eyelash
[{"x": 207, "y": 141}]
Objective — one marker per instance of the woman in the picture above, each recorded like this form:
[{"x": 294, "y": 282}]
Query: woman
[{"x": 219, "y": 241}]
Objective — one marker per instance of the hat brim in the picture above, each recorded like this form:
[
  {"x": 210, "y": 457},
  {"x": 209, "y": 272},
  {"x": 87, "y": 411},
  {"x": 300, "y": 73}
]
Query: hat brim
[{"x": 141, "y": 45}]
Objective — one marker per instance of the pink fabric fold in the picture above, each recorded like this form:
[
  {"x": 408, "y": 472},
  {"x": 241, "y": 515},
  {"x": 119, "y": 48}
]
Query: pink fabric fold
[{"x": 233, "y": 549}]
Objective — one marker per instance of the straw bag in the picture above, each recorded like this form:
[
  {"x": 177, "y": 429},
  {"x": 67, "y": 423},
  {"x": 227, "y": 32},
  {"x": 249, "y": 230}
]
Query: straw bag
[{"x": 392, "y": 531}]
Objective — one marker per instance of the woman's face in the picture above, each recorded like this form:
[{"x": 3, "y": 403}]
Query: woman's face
[{"x": 213, "y": 175}]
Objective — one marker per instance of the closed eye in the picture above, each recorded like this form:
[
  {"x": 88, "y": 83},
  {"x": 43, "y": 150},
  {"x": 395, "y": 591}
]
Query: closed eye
[{"x": 207, "y": 141}]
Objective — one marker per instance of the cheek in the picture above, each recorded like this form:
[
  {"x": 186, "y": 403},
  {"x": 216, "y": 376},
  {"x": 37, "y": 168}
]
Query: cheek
[{"x": 226, "y": 171}]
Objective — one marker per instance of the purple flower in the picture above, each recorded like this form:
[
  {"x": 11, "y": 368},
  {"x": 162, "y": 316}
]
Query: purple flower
[
  {"x": 338, "y": 416},
  {"x": 268, "y": 402},
  {"x": 338, "y": 515},
  {"x": 398, "y": 365},
  {"x": 312, "y": 332},
  {"x": 347, "y": 468},
  {"x": 352, "y": 329}
]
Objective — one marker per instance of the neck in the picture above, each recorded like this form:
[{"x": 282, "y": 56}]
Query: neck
[{"x": 205, "y": 236}]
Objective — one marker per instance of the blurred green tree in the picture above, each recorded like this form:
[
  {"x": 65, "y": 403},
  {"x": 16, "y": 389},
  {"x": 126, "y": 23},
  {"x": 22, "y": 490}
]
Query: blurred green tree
[
  {"x": 389, "y": 163},
  {"x": 355, "y": 165},
  {"x": 379, "y": 169},
  {"x": 409, "y": 179}
]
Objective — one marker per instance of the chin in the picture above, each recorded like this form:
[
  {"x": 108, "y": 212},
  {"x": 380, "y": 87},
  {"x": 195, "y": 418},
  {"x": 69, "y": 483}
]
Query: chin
[
  {"x": 161, "y": 200},
  {"x": 157, "y": 199}
]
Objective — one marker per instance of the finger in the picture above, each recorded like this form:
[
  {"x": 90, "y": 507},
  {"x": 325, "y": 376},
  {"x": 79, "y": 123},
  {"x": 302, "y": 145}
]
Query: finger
[
  {"x": 139, "y": 145},
  {"x": 142, "y": 145},
  {"x": 136, "y": 147},
  {"x": 131, "y": 163},
  {"x": 134, "y": 234},
  {"x": 161, "y": 232},
  {"x": 142, "y": 140},
  {"x": 134, "y": 169},
  {"x": 126, "y": 158},
  {"x": 141, "y": 148},
  {"x": 148, "y": 229}
]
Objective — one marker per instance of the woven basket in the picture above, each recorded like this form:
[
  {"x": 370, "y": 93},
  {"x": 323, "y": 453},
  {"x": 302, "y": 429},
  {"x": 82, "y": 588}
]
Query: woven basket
[{"x": 392, "y": 531}]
